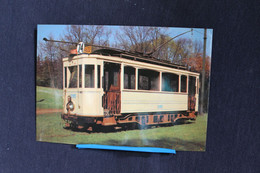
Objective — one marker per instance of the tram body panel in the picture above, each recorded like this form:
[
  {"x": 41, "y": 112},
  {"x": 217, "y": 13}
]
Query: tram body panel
[
  {"x": 137, "y": 102},
  {"x": 86, "y": 103},
  {"x": 91, "y": 103}
]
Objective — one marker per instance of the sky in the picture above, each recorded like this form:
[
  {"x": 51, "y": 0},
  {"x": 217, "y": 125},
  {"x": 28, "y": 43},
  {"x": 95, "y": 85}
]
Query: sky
[{"x": 198, "y": 33}]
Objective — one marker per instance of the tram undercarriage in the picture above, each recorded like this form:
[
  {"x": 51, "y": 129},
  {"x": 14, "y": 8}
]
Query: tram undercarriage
[{"x": 127, "y": 121}]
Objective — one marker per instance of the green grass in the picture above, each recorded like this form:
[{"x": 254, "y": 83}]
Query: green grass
[
  {"x": 52, "y": 98},
  {"x": 185, "y": 137}
]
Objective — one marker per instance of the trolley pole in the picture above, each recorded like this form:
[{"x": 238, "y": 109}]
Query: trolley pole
[{"x": 203, "y": 73}]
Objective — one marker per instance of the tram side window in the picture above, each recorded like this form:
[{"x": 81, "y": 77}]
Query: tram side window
[
  {"x": 80, "y": 76},
  {"x": 170, "y": 82},
  {"x": 89, "y": 76},
  {"x": 129, "y": 77},
  {"x": 184, "y": 84},
  {"x": 148, "y": 80},
  {"x": 65, "y": 77},
  {"x": 73, "y": 76},
  {"x": 98, "y": 76}
]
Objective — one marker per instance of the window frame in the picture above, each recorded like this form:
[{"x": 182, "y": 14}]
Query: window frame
[
  {"x": 93, "y": 74},
  {"x": 134, "y": 69},
  {"x": 186, "y": 87},
  {"x": 80, "y": 72},
  {"x": 98, "y": 77},
  {"x": 158, "y": 81},
  {"x": 178, "y": 82},
  {"x": 69, "y": 80}
]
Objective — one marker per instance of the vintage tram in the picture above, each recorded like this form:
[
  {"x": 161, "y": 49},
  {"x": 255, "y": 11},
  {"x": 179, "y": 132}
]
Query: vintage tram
[{"x": 111, "y": 87}]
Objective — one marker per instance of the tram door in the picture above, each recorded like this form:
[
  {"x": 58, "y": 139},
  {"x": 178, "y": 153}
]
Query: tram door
[
  {"x": 111, "y": 86},
  {"x": 192, "y": 92}
]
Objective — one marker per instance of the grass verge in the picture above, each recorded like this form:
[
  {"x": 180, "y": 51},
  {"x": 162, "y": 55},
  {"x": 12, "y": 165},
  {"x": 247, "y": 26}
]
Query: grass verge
[
  {"x": 48, "y": 98},
  {"x": 184, "y": 137}
]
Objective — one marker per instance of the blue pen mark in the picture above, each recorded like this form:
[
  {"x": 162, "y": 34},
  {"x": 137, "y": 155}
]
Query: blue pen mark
[{"x": 126, "y": 148}]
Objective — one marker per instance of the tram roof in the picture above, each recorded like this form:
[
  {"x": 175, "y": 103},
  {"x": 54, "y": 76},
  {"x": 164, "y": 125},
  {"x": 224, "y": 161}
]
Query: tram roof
[{"x": 137, "y": 56}]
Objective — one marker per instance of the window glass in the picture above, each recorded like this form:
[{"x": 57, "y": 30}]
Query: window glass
[
  {"x": 80, "y": 76},
  {"x": 115, "y": 79},
  {"x": 73, "y": 76},
  {"x": 129, "y": 77},
  {"x": 98, "y": 76},
  {"x": 111, "y": 76},
  {"x": 148, "y": 80},
  {"x": 89, "y": 76},
  {"x": 170, "y": 82},
  {"x": 192, "y": 85},
  {"x": 183, "y": 83},
  {"x": 106, "y": 84}
]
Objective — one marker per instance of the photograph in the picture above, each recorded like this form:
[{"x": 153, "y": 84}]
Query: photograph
[{"x": 138, "y": 86}]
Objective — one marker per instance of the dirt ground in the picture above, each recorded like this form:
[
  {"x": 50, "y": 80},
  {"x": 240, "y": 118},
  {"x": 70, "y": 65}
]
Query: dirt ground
[{"x": 47, "y": 111}]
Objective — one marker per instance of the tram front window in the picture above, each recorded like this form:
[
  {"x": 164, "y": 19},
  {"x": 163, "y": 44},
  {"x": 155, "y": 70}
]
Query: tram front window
[
  {"x": 89, "y": 76},
  {"x": 73, "y": 70}
]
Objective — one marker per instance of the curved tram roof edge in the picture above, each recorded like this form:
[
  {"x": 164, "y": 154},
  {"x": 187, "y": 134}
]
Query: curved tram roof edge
[{"x": 127, "y": 56}]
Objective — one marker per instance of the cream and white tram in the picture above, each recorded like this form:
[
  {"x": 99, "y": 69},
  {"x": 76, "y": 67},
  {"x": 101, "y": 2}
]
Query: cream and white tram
[{"x": 117, "y": 88}]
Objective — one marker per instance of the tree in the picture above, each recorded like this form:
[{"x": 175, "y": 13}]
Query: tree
[
  {"x": 148, "y": 41},
  {"x": 195, "y": 64},
  {"x": 89, "y": 34},
  {"x": 49, "y": 65},
  {"x": 198, "y": 48},
  {"x": 49, "y": 59},
  {"x": 49, "y": 51},
  {"x": 139, "y": 38}
]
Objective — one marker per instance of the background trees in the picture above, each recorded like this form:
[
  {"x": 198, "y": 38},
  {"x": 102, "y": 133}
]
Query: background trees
[
  {"x": 50, "y": 54},
  {"x": 90, "y": 34}
]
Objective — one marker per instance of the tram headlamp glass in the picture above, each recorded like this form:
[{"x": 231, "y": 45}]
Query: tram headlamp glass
[{"x": 71, "y": 106}]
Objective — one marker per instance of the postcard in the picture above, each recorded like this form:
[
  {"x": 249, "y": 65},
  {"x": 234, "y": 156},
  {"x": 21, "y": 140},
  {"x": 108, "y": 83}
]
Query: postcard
[{"x": 139, "y": 86}]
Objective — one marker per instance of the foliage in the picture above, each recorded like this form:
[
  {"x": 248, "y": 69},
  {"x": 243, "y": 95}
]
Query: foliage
[
  {"x": 196, "y": 62},
  {"x": 148, "y": 40}
]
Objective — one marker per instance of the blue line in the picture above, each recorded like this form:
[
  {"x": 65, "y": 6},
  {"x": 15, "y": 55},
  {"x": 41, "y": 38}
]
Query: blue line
[{"x": 126, "y": 148}]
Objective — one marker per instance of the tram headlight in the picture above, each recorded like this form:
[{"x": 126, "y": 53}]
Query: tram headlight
[{"x": 71, "y": 106}]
